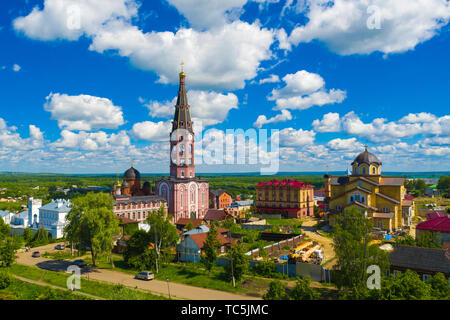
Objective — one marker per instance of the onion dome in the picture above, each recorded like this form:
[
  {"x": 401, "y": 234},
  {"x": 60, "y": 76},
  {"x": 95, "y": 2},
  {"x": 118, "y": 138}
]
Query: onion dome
[
  {"x": 366, "y": 157},
  {"x": 132, "y": 174},
  {"x": 117, "y": 184}
]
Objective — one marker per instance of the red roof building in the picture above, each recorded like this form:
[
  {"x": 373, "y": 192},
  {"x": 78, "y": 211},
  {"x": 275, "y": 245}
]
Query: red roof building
[
  {"x": 440, "y": 224},
  {"x": 435, "y": 214},
  {"x": 288, "y": 198}
]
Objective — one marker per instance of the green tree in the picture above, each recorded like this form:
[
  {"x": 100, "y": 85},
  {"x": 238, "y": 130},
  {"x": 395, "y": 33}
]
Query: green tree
[
  {"x": 440, "y": 286},
  {"x": 352, "y": 253},
  {"x": 27, "y": 236},
  {"x": 8, "y": 248},
  {"x": 139, "y": 252},
  {"x": 265, "y": 269},
  {"x": 303, "y": 291},
  {"x": 276, "y": 291},
  {"x": 97, "y": 224},
  {"x": 409, "y": 286},
  {"x": 4, "y": 229},
  {"x": 190, "y": 226},
  {"x": 428, "y": 240},
  {"x": 163, "y": 232},
  {"x": 211, "y": 246},
  {"x": 41, "y": 237},
  {"x": 238, "y": 263},
  {"x": 407, "y": 240},
  {"x": 5, "y": 279},
  {"x": 420, "y": 185},
  {"x": 444, "y": 183}
]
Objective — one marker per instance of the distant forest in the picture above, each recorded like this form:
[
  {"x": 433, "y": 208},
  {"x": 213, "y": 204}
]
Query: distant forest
[{"x": 25, "y": 184}]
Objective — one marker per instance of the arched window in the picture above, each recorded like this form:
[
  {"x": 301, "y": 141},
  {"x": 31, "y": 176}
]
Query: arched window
[
  {"x": 181, "y": 200},
  {"x": 364, "y": 170},
  {"x": 374, "y": 170}
]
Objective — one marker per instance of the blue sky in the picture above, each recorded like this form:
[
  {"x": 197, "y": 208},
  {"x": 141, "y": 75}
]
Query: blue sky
[{"x": 87, "y": 85}]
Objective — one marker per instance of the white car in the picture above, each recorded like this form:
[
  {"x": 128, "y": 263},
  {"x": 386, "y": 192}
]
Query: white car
[{"x": 145, "y": 275}]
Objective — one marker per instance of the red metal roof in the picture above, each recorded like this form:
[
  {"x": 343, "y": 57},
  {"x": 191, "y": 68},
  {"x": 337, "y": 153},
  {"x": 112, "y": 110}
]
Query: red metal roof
[
  {"x": 290, "y": 182},
  {"x": 435, "y": 214},
  {"x": 215, "y": 214},
  {"x": 437, "y": 224},
  {"x": 185, "y": 222},
  {"x": 408, "y": 197},
  {"x": 200, "y": 239}
]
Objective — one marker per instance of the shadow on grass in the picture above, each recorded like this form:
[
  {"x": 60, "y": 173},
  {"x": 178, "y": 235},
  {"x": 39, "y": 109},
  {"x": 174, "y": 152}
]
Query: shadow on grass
[{"x": 61, "y": 266}]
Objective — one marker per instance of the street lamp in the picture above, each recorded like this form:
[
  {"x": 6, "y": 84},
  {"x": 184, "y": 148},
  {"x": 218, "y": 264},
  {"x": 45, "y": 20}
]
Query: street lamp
[{"x": 168, "y": 289}]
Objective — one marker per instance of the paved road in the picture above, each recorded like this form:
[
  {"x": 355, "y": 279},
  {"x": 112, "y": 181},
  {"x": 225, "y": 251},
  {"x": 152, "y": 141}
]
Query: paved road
[{"x": 177, "y": 290}]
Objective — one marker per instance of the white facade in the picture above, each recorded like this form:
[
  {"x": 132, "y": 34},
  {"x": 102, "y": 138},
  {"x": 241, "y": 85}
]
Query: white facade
[
  {"x": 52, "y": 217},
  {"x": 33, "y": 212},
  {"x": 6, "y": 216}
]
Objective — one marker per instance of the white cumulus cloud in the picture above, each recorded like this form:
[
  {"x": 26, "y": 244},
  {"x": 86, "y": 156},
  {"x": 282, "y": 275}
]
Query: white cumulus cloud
[
  {"x": 303, "y": 90},
  {"x": 207, "y": 107},
  {"x": 362, "y": 26},
  {"x": 84, "y": 112},
  {"x": 285, "y": 115}
]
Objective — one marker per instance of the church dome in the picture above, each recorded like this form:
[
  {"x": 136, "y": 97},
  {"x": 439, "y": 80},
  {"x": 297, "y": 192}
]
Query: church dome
[
  {"x": 366, "y": 157},
  {"x": 132, "y": 174}
]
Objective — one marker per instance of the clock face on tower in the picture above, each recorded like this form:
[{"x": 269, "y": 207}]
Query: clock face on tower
[{"x": 190, "y": 137}]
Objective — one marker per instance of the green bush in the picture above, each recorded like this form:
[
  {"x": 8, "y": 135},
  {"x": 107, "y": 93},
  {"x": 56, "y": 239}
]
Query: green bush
[
  {"x": 5, "y": 279},
  {"x": 277, "y": 291},
  {"x": 265, "y": 269}
]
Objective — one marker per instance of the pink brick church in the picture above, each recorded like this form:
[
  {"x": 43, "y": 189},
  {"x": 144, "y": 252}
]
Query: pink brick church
[{"x": 187, "y": 196}]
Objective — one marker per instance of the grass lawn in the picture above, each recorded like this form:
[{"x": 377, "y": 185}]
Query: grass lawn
[
  {"x": 20, "y": 290},
  {"x": 96, "y": 288},
  {"x": 32, "y": 273},
  {"x": 284, "y": 222},
  {"x": 60, "y": 255}
]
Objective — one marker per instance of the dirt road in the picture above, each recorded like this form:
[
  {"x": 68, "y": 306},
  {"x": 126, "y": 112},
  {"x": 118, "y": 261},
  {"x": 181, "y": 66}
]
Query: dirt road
[
  {"x": 328, "y": 251},
  {"x": 177, "y": 290}
]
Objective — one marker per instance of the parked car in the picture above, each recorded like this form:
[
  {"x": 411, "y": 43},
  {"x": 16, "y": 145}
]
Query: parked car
[
  {"x": 145, "y": 275},
  {"x": 60, "y": 247},
  {"x": 36, "y": 254},
  {"x": 80, "y": 263}
]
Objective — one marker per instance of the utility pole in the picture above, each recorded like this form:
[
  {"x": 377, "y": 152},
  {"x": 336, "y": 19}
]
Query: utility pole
[
  {"x": 231, "y": 256},
  {"x": 364, "y": 257},
  {"x": 168, "y": 289}
]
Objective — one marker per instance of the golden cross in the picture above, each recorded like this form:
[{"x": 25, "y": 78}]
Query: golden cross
[{"x": 182, "y": 65}]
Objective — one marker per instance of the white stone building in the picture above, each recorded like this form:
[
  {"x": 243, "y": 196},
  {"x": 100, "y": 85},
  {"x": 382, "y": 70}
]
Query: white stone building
[{"x": 52, "y": 217}]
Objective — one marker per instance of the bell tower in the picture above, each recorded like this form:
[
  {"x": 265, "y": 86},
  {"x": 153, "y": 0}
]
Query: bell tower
[{"x": 182, "y": 164}]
